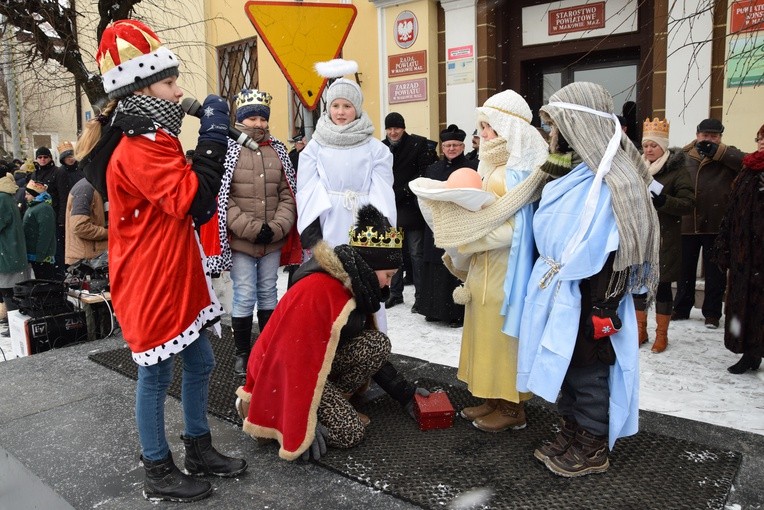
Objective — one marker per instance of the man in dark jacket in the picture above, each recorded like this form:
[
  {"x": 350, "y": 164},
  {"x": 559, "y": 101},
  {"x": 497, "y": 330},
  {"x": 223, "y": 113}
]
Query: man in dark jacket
[
  {"x": 712, "y": 166},
  {"x": 410, "y": 159},
  {"x": 67, "y": 175}
]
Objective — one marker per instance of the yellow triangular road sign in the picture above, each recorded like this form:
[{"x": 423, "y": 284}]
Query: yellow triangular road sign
[{"x": 299, "y": 34}]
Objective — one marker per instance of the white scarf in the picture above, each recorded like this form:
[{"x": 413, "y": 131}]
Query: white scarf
[{"x": 346, "y": 136}]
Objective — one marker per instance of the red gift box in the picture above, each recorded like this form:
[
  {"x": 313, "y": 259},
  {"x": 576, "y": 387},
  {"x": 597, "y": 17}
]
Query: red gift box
[{"x": 434, "y": 412}]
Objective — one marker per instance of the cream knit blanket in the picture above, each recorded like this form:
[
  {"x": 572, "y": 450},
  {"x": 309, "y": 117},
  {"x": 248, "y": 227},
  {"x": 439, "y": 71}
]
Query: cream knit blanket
[{"x": 454, "y": 225}]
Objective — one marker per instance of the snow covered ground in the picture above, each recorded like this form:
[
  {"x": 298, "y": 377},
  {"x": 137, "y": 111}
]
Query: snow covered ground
[{"x": 689, "y": 380}]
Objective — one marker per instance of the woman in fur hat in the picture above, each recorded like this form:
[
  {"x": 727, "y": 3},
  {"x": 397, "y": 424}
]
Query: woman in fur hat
[
  {"x": 739, "y": 249},
  {"x": 302, "y": 373},
  {"x": 498, "y": 267},
  {"x": 674, "y": 199},
  {"x": 160, "y": 284}
]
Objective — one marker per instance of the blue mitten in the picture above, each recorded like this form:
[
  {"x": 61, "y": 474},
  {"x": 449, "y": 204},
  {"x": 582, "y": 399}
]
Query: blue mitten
[
  {"x": 215, "y": 120},
  {"x": 410, "y": 406}
]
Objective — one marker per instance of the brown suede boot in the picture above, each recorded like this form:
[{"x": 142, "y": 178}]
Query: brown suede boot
[
  {"x": 642, "y": 326},
  {"x": 587, "y": 454},
  {"x": 507, "y": 415},
  {"x": 661, "y": 332},
  {"x": 487, "y": 407},
  {"x": 560, "y": 443}
]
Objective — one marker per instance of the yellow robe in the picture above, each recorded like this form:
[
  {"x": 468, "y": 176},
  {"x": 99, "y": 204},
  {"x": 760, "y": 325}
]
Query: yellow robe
[{"x": 488, "y": 358}]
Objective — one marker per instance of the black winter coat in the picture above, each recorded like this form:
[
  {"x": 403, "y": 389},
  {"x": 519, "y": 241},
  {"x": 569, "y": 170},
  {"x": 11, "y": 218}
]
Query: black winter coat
[
  {"x": 410, "y": 159},
  {"x": 740, "y": 248},
  {"x": 680, "y": 200},
  {"x": 66, "y": 177}
]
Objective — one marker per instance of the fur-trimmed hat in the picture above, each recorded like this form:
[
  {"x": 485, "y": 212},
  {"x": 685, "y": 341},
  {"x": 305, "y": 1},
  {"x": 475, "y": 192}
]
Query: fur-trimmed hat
[
  {"x": 251, "y": 103},
  {"x": 379, "y": 244},
  {"x": 395, "y": 120},
  {"x": 42, "y": 151},
  {"x": 65, "y": 149},
  {"x": 130, "y": 57},
  {"x": 451, "y": 133},
  {"x": 34, "y": 188}
]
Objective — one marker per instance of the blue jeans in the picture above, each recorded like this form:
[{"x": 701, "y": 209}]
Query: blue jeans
[
  {"x": 151, "y": 392},
  {"x": 254, "y": 282}
]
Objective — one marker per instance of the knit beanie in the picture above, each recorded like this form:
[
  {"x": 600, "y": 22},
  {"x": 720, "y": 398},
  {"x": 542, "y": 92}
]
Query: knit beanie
[
  {"x": 375, "y": 240},
  {"x": 343, "y": 88},
  {"x": 452, "y": 132},
  {"x": 65, "y": 149},
  {"x": 130, "y": 57},
  {"x": 42, "y": 151},
  {"x": 657, "y": 131},
  {"x": 394, "y": 120},
  {"x": 35, "y": 188},
  {"x": 251, "y": 103}
]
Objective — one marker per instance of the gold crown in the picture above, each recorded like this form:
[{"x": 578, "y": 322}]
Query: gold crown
[
  {"x": 370, "y": 238},
  {"x": 253, "y": 97},
  {"x": 655, "y": 127}
]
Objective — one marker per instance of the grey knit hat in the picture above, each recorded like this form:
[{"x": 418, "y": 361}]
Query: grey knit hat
[{"x": 343, "y": 88}]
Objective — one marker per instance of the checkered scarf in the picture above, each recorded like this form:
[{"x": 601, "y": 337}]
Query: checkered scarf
[{"x": 167, "y": 114}]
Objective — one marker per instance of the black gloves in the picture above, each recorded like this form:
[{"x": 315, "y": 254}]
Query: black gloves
[
  {"x": 265, "y": 236},
  {"x": 706, "y": 148},
  {"x": 604, "y": 322},
  {"x": 214, "y": 120},
  {"x": 318, "y": 446},
  {"x": 410, "y": 406},
  {"x": 658, "y": 200}
]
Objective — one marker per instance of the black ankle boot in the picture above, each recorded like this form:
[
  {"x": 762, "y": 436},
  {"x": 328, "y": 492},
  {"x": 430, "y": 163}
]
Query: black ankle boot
[
  {"x": 165, "y": 482},
  {"x": 203, "y": 459},
  {"x": 242, "y": 337},
  {"x": 747, "y": 362},
  {"x": 262, "y": 319}
]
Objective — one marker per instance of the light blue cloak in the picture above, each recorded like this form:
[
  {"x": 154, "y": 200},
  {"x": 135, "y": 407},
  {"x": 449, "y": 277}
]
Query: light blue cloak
[
  {"x": 520, "y": 260},
  {"x": 551, "y": 314}
]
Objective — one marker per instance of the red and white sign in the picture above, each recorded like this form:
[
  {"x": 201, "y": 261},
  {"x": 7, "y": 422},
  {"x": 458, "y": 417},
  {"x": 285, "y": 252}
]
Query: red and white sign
[
  {"x": 407, "y": 63},
  {"x": 407, "y": 91},
  {"x": 579, "y": 18},
  {"x": 405, "y": 29},
  {"x": 747, "y": 16},
  {"x": 461, "y": 52}
]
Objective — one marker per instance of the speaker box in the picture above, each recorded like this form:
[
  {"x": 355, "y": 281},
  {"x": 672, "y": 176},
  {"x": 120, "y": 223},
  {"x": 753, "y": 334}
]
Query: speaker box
[{"x": 55, "y": 331}]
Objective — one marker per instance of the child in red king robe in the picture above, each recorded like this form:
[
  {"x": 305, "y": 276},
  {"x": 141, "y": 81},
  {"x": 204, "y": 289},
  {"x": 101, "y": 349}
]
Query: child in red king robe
[{"x": 161, "y": 294}]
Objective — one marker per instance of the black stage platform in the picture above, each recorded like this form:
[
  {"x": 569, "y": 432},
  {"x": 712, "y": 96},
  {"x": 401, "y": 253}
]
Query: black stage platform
[{"x": 68, "y": 440}]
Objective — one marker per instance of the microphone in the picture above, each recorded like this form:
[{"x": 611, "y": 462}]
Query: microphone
[{"x": 192, "y": 107}]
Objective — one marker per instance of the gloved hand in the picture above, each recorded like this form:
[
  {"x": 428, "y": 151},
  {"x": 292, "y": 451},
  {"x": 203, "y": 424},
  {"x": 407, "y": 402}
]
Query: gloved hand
[
  {"x": 265, "y": 236},
  {"x": 706, "y": 148},
  {"x": 410, "y": 406},
  {"x": 214, "y": 120},
  {"x": 658, "y": 200},
  {"x": 604, "y": 323},
  {"x": 318, "y": 446}
]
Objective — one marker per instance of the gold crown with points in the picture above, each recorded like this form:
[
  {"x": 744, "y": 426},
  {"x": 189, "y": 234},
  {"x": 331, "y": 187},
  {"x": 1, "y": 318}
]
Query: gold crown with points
[
  {"x": 655, "y": 127},
  {"x": 370, "y": 238}
]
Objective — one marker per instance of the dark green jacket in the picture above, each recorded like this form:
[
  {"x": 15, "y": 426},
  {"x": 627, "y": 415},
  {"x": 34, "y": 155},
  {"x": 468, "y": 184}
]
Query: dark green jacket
[
  {"x": 680, "y": 200},
  {"x": 12, "y": 245},
  {"x": 40, "y": 232}
]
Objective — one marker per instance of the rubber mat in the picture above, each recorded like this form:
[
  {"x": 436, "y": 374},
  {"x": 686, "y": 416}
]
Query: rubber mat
[
  {"x": 223, "y": 383},
  {"x": 432, "y": 468}
]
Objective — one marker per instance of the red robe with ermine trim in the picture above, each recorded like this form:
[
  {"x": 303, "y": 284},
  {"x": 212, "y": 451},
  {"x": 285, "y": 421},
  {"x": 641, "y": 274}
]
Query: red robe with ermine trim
[{"x": 291, "y": 360}]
